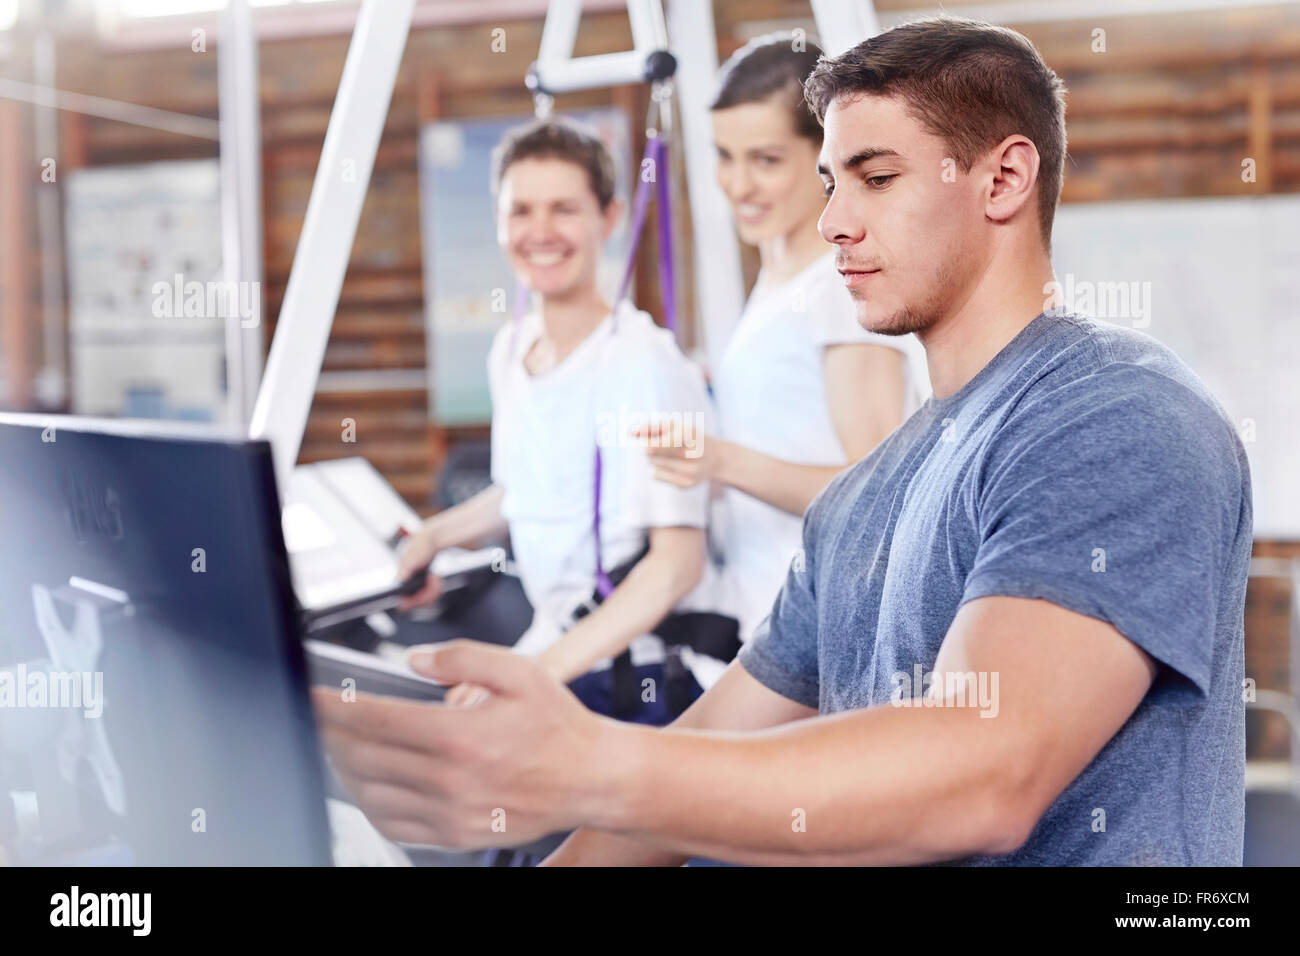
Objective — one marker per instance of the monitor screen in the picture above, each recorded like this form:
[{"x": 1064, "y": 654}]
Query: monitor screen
[{"x": 153, "y": 691}]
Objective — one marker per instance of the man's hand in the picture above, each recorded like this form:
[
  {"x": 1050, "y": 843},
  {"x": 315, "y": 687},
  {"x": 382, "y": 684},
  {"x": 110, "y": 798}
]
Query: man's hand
[
  {"x": 416, "y": 556},
  {"x": 467, "y": 524},
  {"x": 737, "y": 702},
  {"x": 465, "y": 695},
  {"x": 526, "y": 761}
]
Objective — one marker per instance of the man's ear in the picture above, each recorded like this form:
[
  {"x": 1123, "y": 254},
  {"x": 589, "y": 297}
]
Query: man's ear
[
  {"x": 612, "y": 215},
  {"x": 1014, "y": 166}
]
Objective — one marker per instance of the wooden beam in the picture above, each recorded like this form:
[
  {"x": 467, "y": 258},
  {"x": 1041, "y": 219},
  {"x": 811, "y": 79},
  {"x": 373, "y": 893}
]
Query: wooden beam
[
  {"x": 17, "y": 268},
  {"x": 1260, "y": 141}
]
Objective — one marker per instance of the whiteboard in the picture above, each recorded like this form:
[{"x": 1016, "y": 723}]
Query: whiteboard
[
  {"x": 1218, "y": 281},
  {"x": 132, "y": 232}
]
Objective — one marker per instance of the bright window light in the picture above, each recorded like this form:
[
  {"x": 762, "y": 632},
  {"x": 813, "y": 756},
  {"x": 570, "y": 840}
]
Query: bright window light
[
  {"x": 162, "y": 8},
  {"x": 8, "y": 13}
]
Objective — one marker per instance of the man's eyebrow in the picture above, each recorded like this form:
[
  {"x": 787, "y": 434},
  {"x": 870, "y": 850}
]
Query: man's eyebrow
[{"x": 858, "y": 158}]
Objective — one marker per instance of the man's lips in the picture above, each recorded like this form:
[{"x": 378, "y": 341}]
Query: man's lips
[{"x": 856, "y": 277}]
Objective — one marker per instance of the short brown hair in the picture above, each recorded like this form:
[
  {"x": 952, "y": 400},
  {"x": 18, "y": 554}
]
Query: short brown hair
[
  {"x": 773, "y": 66},
  {"x": 969, "y": 82},
  {"x": 558, "y": 139}
]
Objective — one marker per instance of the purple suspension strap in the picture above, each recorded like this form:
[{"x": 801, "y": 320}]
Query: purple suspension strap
[
  {"x": 604, "y": 586},
  {"x": 667, "y": 280},
  {"x": 656, "y": 152}
]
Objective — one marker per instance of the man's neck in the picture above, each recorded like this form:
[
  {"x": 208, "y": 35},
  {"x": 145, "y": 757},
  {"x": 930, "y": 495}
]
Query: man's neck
[
  {"x": 566, "y": 322},
  {"x": 976, "y": 330},
  {"x": 785, "y": 256}
]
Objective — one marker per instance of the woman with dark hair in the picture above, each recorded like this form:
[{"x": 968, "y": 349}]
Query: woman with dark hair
[{"x": 802, "y": 391}]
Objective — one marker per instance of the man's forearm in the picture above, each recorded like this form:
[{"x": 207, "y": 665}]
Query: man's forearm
[
  {"x": 470, "y": 523},
  {"x": 890, "y": 786},
  {"x": 589, "y": 847}
]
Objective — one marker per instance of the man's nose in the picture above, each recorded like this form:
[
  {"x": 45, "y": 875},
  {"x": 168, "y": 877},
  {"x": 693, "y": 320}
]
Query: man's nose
[
  {"x": 539, "y": 227},
  {"x": 840, "y": 223}
]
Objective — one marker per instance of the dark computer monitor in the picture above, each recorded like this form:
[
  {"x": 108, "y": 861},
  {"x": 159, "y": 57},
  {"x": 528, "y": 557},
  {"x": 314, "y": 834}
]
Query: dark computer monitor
[{"x": 143, "y": 573}]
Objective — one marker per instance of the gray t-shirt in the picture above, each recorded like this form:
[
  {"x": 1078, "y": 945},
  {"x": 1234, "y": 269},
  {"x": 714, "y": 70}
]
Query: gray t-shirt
[{"x": 1087, "y": 466}]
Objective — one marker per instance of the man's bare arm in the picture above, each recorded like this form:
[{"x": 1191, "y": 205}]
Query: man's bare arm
[
  {"x": 470, "y": 523},
  {"x": 735, "y": 702},
  {"x": 883, "y": 785},
  {"x": 896, "y": 785},
  {"x": 467, "y": 524}
]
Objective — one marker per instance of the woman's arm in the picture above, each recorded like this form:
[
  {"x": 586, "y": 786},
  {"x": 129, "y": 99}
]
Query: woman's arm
[
  {"x": 865, "y": 395},
  {"x": 669, "y": 571},
  {"x": 780, "y": 483}
]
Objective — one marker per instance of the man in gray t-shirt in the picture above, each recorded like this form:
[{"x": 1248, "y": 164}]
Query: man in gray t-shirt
[
  {"x": 1084, "y": 465},
  {"x": 1015, "y": 631}
]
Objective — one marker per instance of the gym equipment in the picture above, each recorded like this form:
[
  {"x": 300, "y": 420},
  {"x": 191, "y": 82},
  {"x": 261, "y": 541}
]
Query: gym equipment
[
  {"x": 152, "y": 641},
  {"x": 343, "y": 525}
]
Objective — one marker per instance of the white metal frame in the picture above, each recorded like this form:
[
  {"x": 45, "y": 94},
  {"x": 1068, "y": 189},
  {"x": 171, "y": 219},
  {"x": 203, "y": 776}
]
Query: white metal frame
[
  {"x": 329, "y": 228},
  {"x": 239, "y": 116},
  {"x": 560, "y": 72},
  {"x": 719, "y": 278},
  {"x": 843, "y": 24}
]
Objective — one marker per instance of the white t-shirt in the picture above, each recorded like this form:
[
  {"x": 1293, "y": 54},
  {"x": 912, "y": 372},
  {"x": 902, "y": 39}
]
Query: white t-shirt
[
  {"x": 770, "y": 395},
  {"x": 544, "y": 434}
]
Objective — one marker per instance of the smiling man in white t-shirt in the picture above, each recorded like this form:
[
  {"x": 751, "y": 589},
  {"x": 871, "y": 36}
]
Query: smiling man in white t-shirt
[{"x": 573, "y": 373}]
